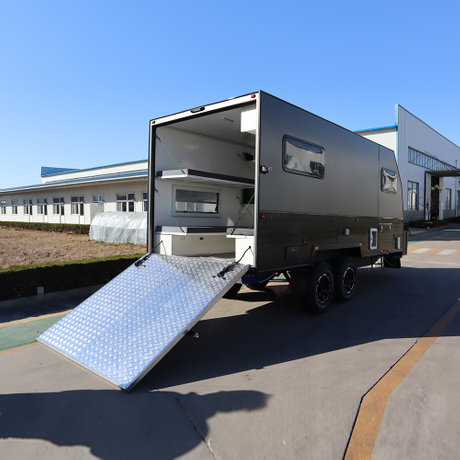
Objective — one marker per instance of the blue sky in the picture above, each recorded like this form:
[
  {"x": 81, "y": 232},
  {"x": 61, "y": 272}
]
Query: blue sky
[{"x": 79, "y": 80}]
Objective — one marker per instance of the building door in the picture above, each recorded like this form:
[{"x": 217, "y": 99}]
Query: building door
[{"x": 434, "y": 201}]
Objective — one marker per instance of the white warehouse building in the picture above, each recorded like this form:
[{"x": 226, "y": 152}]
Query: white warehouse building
[
  {"x": 428, "y": 164},
  {"x": 73, "y": 196}
]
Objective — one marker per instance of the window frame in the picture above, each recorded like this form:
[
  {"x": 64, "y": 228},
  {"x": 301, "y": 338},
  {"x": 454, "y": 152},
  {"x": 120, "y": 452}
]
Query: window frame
[
  {"x": 291, "y": 170},
  {"x": 384, "y": 188},
  {"x": 59, "y": 205},
  {"x": 77, "y": 205},
  {"x": 448, "y": 199},
  {"x": 187, "y": 188},
  {"x": 126, "y": 202},
  {"x": 2, "y": 206},
  {"x": 42, "y": 206},
  {"x": 27, "y": 203},
  {"x": 410, "y": 205},
  {"x": 427, "y": 161},
  {"x": 14, "y": 207}
]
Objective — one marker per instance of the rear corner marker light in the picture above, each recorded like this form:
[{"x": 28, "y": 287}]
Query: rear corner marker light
[
  {"x": 153, "y": 122},
  {"x": 253, "y": 95}
]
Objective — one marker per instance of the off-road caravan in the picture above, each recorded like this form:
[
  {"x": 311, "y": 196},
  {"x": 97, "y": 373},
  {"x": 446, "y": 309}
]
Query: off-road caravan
[
  {"x": 270, "y": 185},
  {"x": 239, "y": 189}
]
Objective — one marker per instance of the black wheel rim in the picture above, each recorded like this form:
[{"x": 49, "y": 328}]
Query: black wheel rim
[
  {"x": 349, "y": 280},
  {"x": 323, "y": 289}
]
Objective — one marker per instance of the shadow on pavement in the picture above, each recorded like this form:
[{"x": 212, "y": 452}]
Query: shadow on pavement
[
  {"x": 388, "y": 304},
  {"x": 118, "y": 425}
]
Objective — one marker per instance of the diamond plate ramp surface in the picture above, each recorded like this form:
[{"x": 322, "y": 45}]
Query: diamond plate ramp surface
[{"x": 126, "y": 327}]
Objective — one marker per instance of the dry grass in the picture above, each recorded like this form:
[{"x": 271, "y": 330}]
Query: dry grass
[{"x": 22, "y": 247}]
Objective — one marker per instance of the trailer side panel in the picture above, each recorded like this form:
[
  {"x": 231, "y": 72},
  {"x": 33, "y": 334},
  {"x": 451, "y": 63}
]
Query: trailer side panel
[{"x": 332, "y": 198}]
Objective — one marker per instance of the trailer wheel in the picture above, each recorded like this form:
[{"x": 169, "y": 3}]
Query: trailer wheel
[
  {"x": 346, "y": 275},
  {"x": 320, "y": 288}
]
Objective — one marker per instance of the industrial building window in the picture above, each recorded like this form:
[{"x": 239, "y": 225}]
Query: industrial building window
[
  {"x": 77, "y": 205},
  {"x": 145, "y": 201},
  {"x": 125, "y": 202},
  {"x": 42, "y": 206},
  {"x": 195, "y": 201},
  {"x": 98, "y": 198},
  {"x": 14, "y": 206},
  {"x": 3, "y": 207},
  {"x": 301, "y": 157},
  {"x": 412, "y": 196},
  {"x": 58, "y": 206},
  {"x": 448, "y": 198},
  {"x": 389, "y": 181},
  {"x": 427, "y": 161},
  {"x": 28, "y": 207}
]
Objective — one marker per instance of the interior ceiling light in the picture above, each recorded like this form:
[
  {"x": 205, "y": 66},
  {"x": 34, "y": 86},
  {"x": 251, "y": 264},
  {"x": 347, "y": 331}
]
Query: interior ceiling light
[{"x": 228, "y": 119}]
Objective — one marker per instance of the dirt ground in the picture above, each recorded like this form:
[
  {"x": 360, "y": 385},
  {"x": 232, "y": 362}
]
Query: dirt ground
[{"x": 22, "y": 247}]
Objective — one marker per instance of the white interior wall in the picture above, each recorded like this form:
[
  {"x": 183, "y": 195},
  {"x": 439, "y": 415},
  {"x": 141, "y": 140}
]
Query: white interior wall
[
  {"x": 192, "y": 151},
  {"x": 201, "y": 152}
]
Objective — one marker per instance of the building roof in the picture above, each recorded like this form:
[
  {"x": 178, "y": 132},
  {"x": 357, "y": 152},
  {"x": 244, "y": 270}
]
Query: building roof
[
  {"x": 382, "y": 128},
  {"x": 80, "y": 180},
  {"x": 48, "y": 170}
]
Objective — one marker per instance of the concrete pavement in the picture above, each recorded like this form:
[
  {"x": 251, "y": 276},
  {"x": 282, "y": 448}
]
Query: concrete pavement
[{"x": 265, "y": 380}]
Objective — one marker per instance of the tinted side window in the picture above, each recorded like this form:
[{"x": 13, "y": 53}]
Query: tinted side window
[
  {"x": 302, "y": 157},
  {"x": 389, "y": 181}
]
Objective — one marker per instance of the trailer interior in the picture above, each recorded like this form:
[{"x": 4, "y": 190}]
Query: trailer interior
[{"x": 204, "y": 183}]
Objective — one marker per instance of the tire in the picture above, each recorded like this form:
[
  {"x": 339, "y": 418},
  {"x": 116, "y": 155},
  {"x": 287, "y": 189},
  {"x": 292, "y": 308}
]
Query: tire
[
  {"x": 233, "y": 291},
  {"x": 320, "y": 288},
  {"x": 346, "y": 277},
  {"x": 257, "y": 287}
]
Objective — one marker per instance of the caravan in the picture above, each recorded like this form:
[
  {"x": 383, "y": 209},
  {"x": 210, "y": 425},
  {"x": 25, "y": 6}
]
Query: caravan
[{"x": 239, "y": 190}]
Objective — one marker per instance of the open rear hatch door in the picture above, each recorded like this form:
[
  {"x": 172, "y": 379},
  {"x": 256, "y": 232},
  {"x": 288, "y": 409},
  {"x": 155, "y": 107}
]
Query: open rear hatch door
[{"x": 125, "y": 328}]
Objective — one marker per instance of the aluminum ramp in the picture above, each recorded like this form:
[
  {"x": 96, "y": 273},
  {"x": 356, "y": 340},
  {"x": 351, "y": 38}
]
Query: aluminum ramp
[{"x": 126, "y": 327}]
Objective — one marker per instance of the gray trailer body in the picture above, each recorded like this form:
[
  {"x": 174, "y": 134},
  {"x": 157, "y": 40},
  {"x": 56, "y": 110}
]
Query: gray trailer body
[
  {"x": 251, "y": 183},
  {"x": 351, "y": 199}
]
